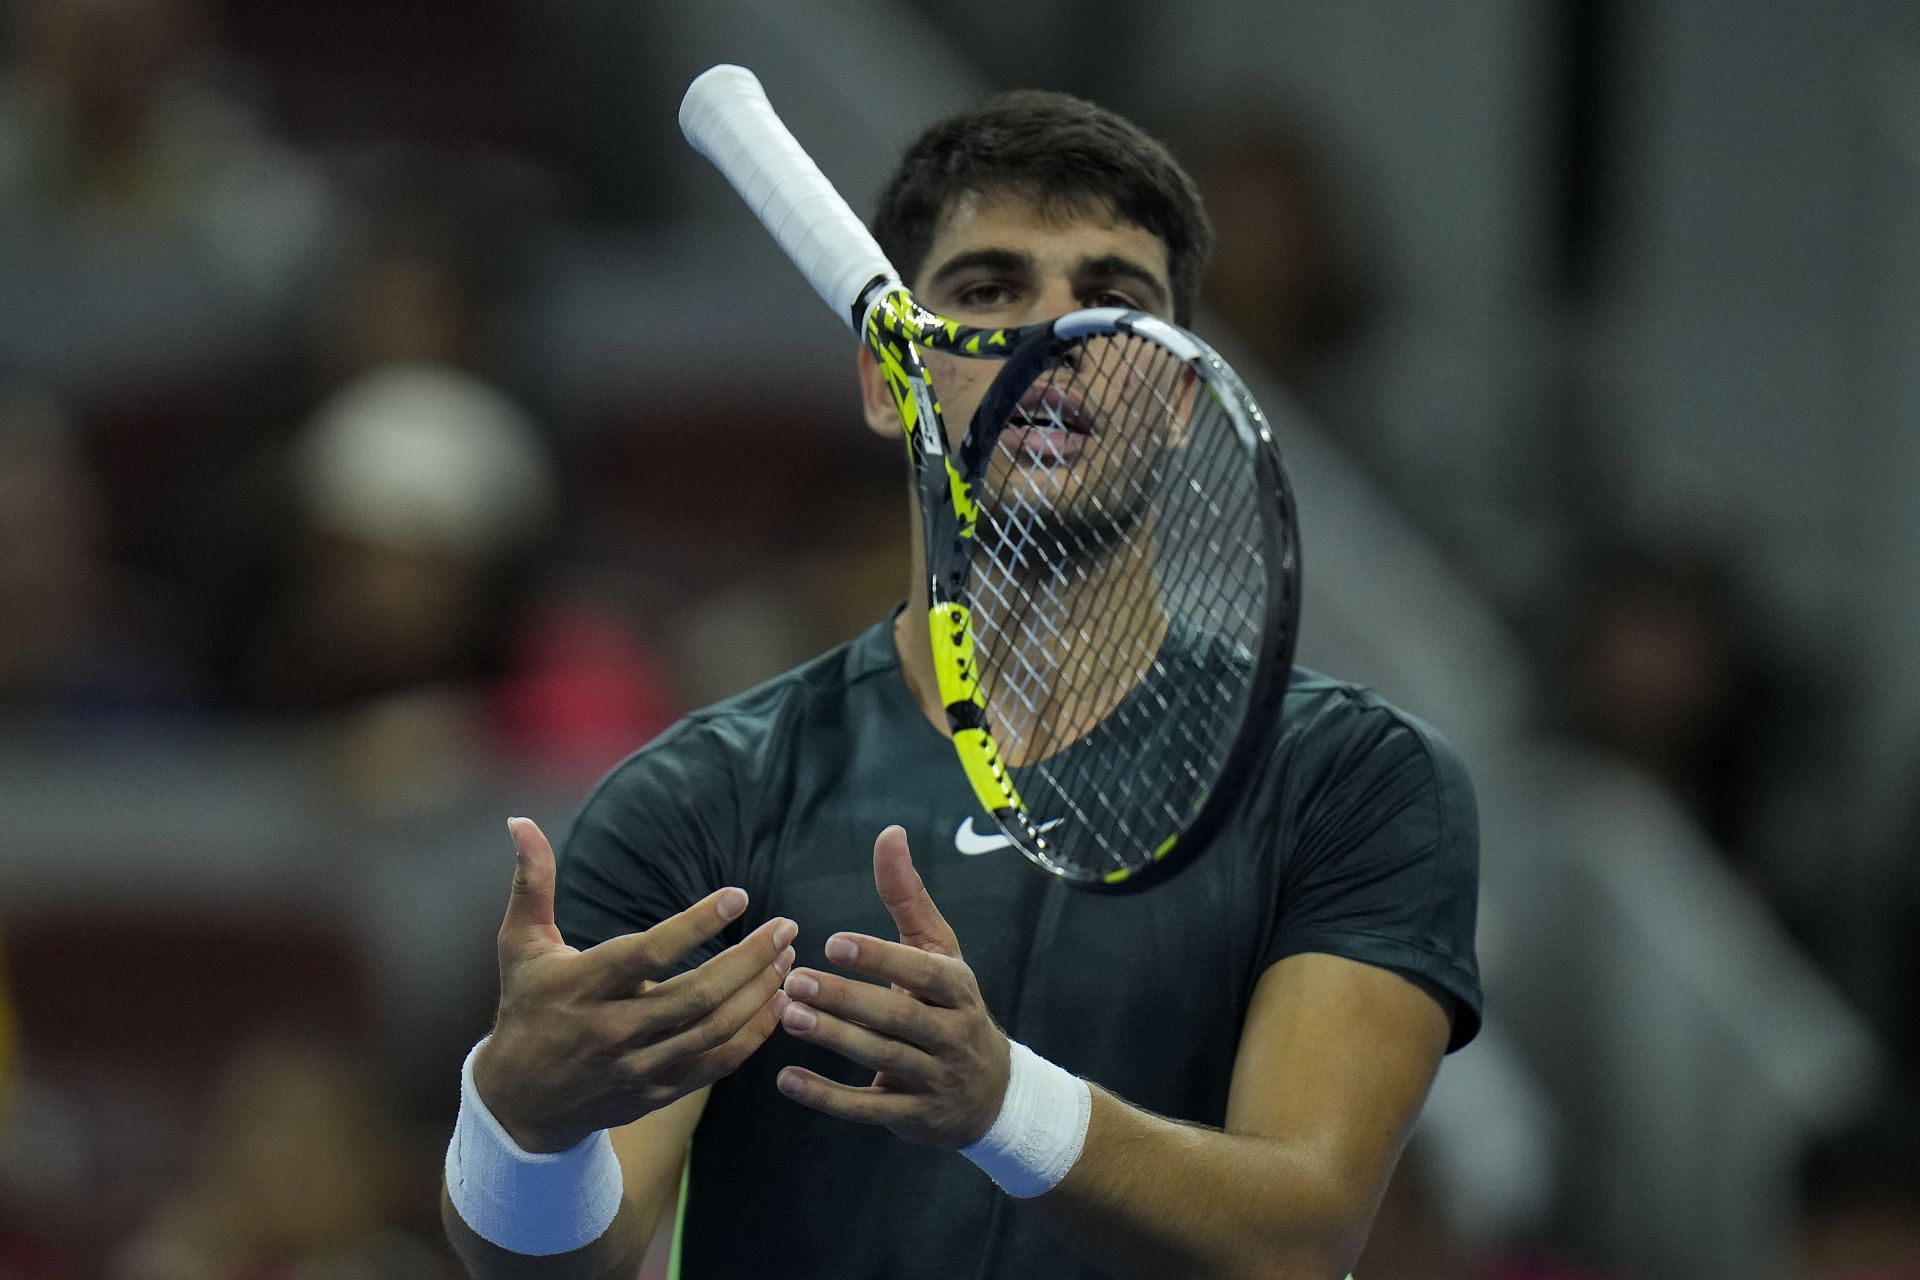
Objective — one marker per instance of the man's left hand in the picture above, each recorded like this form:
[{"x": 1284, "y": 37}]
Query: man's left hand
[{"x": 940, "y": 1063}]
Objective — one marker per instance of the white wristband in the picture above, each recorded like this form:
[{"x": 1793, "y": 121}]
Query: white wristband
[
  {"x": 535, "y": 1204},
  {"x": 1041, "y": 1127}
]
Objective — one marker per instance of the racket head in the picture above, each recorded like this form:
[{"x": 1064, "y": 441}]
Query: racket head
[{"x": 1113, "y": 553}]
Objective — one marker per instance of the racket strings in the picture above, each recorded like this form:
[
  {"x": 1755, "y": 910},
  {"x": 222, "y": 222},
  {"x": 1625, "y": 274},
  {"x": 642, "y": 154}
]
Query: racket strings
[
  {"x": 1040, "y": 598},
  {"x": 1119, "y": 597},
  {"x": 1043, "y": 569}
]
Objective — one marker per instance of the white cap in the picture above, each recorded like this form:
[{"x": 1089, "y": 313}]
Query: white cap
[{"x": 416, "y": 455}]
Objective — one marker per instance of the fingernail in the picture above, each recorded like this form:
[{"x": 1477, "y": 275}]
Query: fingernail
[
  {"x": 799, "y": 1018},
  {"x": 784, "y": 932},
  {"x": 789, "y": 1083},
  {"x": 803, "y": 986},
  {"x": 732, "y": 902},
  {"x": 785, "y": 962},
  {"x": 841, "y": 950}
]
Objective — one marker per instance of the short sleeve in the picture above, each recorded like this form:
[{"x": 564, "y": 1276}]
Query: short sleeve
[
  {"x": 653, "y": 838},
  {"x": 1385, "y": 863}
]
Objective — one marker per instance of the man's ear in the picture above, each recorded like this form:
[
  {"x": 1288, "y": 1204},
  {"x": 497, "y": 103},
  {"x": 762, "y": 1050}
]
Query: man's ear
[{"x": 876, "y": 402}]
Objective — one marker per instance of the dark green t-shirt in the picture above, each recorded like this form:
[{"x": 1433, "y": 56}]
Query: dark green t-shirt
[{"x": 1357, "y": 837}]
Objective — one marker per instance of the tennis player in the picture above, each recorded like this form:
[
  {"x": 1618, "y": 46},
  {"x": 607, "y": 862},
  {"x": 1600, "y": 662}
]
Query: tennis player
[{"x": 783, "y": 980}]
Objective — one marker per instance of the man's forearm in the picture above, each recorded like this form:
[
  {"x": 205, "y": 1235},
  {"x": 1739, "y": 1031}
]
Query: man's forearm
[
  {"x": 618, "y": 1250},
  {"x": 1153, "y": 1197}
]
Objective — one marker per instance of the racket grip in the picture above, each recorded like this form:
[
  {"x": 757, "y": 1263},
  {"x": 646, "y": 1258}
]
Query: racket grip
[{"x": 727, "y": 118}]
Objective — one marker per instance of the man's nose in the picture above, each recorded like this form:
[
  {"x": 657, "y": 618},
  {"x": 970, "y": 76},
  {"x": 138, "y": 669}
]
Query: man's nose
[{"x": 1055, "y": 299}]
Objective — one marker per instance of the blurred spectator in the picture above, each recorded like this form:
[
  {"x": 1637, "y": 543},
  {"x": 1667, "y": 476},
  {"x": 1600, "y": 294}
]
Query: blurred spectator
[
  {"x": 419, "y": 278},
  {"x": 1293, "y": 273},
  {"x": 1666, "y": 664},
  {"x": 413, "y": 605},
  {"x": 151, "y": 225},
  {"x": 77, "y": 636},
  {"x": 400, "y": 299},
  {"x": 1860, "y": 1200},
  {"x": 421, "y": 493},
  {"x": 432, "y": 262},
  {"x": 1286, "y": 273},
  {"x": 1663, "y": 667},
  {"x": 300, "y": 1176}
]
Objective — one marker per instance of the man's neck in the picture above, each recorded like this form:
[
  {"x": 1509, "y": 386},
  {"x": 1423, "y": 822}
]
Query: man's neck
[
  {"x": 1099, "y": 638},
  {"x": 914, "y": 645}
]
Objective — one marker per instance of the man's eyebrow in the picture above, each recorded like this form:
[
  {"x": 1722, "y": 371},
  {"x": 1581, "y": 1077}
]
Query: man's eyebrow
[
  {"x": 1005, "y": 261},
  {"x": 1118, "y": 266}
]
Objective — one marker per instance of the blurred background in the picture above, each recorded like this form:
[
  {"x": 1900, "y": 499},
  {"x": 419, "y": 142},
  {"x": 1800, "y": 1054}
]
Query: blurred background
[{"x": 398, "y": 424}]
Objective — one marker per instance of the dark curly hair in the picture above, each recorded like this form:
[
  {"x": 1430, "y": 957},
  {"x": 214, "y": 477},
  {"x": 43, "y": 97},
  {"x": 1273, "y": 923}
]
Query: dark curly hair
[{"x": 1066, "y": 155}]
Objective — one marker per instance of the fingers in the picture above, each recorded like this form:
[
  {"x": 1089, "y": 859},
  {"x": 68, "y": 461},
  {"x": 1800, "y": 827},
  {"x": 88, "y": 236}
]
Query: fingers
[
  {"x": 892, "y": 1013},
  {"x": 897, "y": 1059},
  {"x": 920, "y": 923},
  {"x": 693, "y": 996},
  {"x": 528, "y": 927},
  {"x": 861, "y": 1105},
  {"x": 723, "y": 1024},
  {"x": 937, "y": 979},
  {"x": 633, "y": 958},
  {"x": 725, "y": 1060}
]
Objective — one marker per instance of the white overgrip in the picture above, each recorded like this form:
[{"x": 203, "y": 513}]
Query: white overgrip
[{"x": 727, "y": 118}]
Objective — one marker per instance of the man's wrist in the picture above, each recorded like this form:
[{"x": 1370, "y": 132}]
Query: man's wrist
[
  {"x": 1041, "y": 1128},
  {"x": 480, "y": 1074},
  {"x": 526, "y": 1202}
]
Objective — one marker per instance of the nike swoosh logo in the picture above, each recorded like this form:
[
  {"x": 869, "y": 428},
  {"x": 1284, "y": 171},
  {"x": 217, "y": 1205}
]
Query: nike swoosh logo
[{"x": 972, "y": 843}]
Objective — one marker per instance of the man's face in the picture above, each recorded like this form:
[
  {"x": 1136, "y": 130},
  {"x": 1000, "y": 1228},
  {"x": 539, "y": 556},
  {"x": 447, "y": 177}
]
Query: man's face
[
  {"x": 1069, "y": 473},
  {"x": 998, "y": 260}
]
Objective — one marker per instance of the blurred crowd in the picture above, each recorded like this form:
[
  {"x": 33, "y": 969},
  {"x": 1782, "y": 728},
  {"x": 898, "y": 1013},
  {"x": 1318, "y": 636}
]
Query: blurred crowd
[{"x": 272, "y": 452}]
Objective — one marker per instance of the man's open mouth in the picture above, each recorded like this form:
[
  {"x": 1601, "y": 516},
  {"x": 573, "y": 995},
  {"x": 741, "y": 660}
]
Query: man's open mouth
[{"x": 1050, "y": 425}]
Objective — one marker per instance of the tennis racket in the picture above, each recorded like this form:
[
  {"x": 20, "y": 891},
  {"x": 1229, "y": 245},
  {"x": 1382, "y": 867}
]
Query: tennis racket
[{"x": 1113, "y": 567}]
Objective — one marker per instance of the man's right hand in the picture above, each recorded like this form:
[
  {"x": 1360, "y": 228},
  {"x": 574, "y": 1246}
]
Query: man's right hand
[{"x": 588, "y": 1040}]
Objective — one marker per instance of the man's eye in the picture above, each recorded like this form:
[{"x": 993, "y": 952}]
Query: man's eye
[
  {"x": 984, "y": 296},
  {"x": 1110, "y": 298}
]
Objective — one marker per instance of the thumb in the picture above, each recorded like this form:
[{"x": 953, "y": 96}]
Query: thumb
[
  {"x": 907, "y": 900},
  {"x": 528, "y": 928}
]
